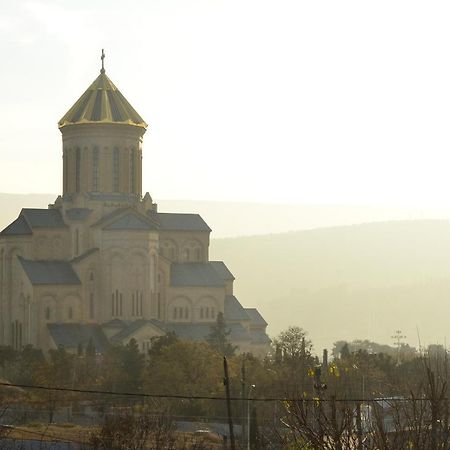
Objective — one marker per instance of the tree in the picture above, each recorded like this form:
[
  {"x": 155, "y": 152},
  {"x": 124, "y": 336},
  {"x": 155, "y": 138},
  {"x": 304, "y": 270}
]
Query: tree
[
  {"x": 158, "y": 343},
  {"x": 293, "y": 343},
  {"x": 186, "y": 368},
  {"x": 218, "y": 337},
  {"x": 123, "y": 367}
]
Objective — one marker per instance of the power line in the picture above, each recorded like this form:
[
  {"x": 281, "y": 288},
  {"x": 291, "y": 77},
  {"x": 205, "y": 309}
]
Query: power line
[
  {"x": 206, "y": 397},
  {"x": 42, "y": 435}
]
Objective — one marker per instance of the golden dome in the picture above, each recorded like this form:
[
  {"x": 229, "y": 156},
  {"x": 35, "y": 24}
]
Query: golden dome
[{"x": 102, "y": 103}]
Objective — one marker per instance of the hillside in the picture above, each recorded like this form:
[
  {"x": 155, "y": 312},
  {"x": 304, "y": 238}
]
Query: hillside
[
  {"x": 362, "y": 281},
  {"x": 228, "y": 219}
]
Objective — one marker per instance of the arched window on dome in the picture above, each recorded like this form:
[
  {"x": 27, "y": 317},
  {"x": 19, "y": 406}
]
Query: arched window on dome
[
  {"x": 95, "y": 169},
  {"x": 77, "y": 169},
  {"x": 133, "y": 171},
  {"x": 116, "y": 170}
]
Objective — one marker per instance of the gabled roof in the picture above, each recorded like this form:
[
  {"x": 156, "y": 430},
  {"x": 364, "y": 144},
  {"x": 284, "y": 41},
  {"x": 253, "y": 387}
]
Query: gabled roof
[
  {"x": 102, "y": 102},
  {"x": 84, "y": 255},
  {"x": 180, "y": 222},
  {"x": 222, "y": 270},
  {"x": 135, "y": 326},
  {"x": 131, "y": 221},
  {"x": 71, "y": 335},
  {"x": 115, "y": 323},
  {"x": 201, "y": 331},
  {"x": 255, "y": 317},
  {"x": 78, "y": 213},
  {"x": 259, "y": 337},
  {"x": 233, "y": 310},
  {"x": 49, "y": 272},
  {"x": 17, "y": 228},
  {"x": 194, "y": 274},
  {"x": 126, "y": 217},
  {"x": 43, "y": 218}
]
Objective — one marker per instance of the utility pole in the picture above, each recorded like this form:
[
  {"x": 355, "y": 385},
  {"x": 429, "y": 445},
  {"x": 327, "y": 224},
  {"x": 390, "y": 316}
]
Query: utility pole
[
  {"x": 398, "y": 337},
  {"x": 243, "y": 421},
  {"x": 226, "y": 382}
]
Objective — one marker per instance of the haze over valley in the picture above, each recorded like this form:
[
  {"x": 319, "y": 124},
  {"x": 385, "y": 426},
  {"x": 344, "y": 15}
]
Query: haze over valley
[{"x": 338, "y": 281}]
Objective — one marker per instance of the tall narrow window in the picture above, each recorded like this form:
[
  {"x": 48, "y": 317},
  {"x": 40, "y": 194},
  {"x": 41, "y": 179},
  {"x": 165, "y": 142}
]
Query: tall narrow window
[
  {"x": 159, "y": 305},
  {"x": 77, "y": 169},
  {"x": 95, "y": 163},
  {"x": 116, "y": 170},
  {"x": 133, "y": 308},
  {"x": 133, "y": 171},
  {"x": 65, "y": 172},
  {"x": 20, "y": 336},
  {"x": 140, "y": 304},
  {"x": 91, "y": 305},
  {"x": 77, "y": 242},
  {"x": 70, "y": 313},
  {"x": 175, "y": 311},
  {"x": 47, "y": 313}
]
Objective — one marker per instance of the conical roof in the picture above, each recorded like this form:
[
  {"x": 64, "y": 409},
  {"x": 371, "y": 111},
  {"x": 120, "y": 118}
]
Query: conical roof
[{"x": 102, "y": 103}]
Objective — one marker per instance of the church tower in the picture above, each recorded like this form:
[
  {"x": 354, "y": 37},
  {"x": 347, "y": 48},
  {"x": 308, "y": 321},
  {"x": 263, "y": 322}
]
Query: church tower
[
  {"x": 102, "y": 264},
  {"x": 102, "y": 142}
]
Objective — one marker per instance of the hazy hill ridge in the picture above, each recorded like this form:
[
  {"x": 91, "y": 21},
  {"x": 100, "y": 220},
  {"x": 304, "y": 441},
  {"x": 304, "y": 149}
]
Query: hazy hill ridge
[
  {"x": 244, "y": 218},
  {"x": 361, "y": 281},
  {"x": 341, "y": 282}
]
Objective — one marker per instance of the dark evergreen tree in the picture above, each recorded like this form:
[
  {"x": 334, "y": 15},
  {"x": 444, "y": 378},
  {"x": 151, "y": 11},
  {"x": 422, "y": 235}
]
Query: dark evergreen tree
[
  {"x": 158, "y": 343},
  {"x": 218, "y": 338}
]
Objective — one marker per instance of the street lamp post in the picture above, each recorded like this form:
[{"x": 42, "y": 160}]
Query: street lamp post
[{"x": 248, "y": 414}]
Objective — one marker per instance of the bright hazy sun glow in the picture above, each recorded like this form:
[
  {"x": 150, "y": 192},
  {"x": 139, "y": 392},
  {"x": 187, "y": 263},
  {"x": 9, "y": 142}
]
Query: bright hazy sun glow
[{"x": 271, "y": 101}]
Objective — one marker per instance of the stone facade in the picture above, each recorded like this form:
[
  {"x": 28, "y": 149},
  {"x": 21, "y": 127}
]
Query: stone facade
[{"x": 102, "y": 262}]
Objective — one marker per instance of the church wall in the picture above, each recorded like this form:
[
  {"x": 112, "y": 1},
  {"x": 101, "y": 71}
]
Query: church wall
[
  {"x": 194, "y": 299},
  {"x": 56, "y": 303},
  {"x": 88, "y": 271},
  {"x": 51, "y": 244},
  {"x": 185, "y": 246},
  {"x": 12, "y": 281},
  {"x": 129, "y": 263},
  {"x": 113, "y": 176}
]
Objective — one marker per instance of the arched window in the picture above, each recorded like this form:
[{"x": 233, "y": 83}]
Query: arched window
[
  {"x": 47, "y": 313},
  {"x": 95, "y": 170},
  {"x": 91, "y": 305},
  {"x": 159, "y": 305},
  {"x": 116, "y": 170},
  {"x": 133, "y": 170},
  {"x": 77, "y": 169},
  {"x": 65, "y": 171}
]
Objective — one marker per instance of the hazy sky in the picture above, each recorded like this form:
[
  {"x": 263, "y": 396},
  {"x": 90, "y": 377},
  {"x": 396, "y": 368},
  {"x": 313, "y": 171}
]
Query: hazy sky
[{"x": 280, "y": 101}]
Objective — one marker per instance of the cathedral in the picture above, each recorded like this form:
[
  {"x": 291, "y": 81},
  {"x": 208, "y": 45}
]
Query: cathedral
[{"x": 102, "y": 264}]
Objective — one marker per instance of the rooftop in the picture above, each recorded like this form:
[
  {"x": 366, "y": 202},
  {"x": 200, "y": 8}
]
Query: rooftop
[{"x": 102, "y": 103}]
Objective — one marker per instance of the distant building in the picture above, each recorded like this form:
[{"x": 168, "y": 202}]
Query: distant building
[{"x": 102, "y": 263}]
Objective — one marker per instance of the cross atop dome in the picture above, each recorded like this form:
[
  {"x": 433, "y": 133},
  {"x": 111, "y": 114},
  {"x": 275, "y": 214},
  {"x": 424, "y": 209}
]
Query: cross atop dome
[
  {"x": 102, "y": 103},
  {"x": 103, "y": 59}
]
